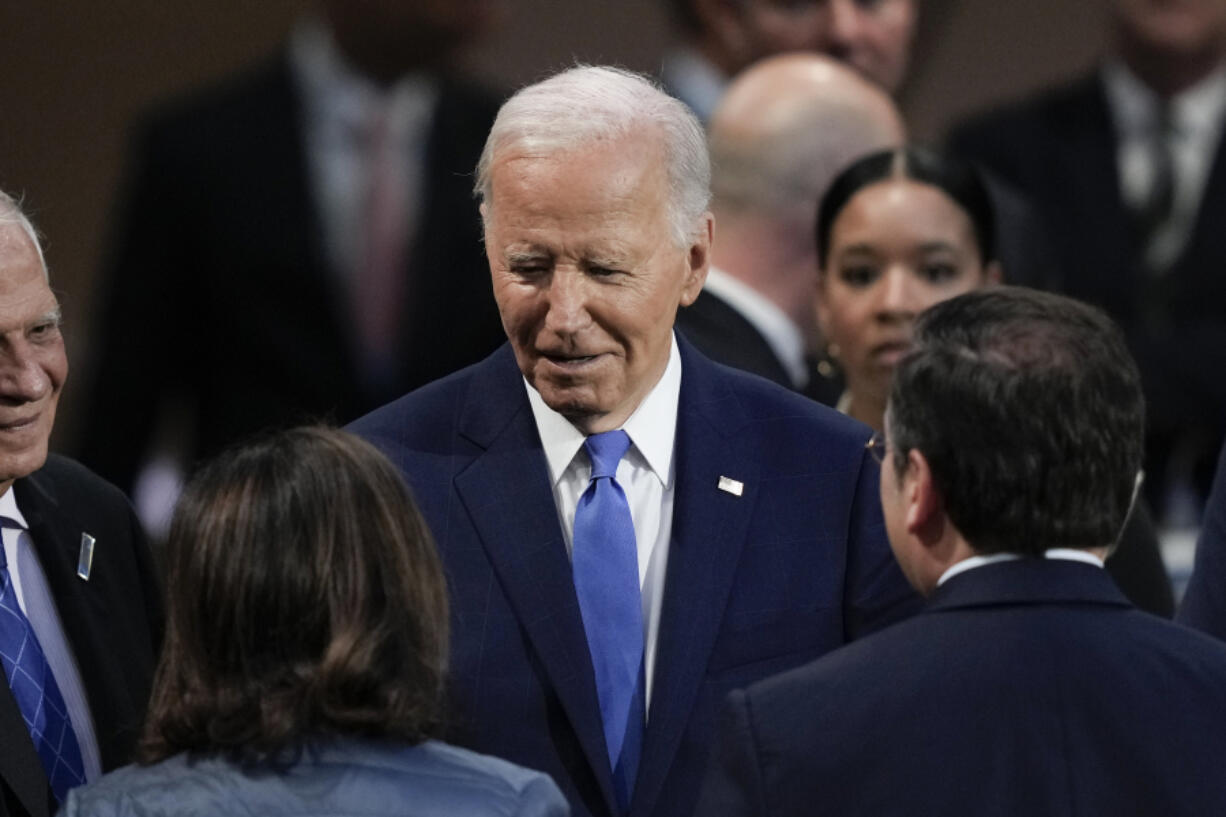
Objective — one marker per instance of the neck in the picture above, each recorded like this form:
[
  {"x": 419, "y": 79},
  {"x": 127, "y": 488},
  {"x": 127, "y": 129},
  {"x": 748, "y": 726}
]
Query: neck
[
  {"x": 868, "y": 409},
  {"x": 773, "y": 262},
  {"x": 1168, "y": 74}
]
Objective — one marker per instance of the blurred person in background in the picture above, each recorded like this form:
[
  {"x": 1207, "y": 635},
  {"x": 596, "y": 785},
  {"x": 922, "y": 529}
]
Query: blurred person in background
[
  {"x": 720, "y": 38},
  {"x": 305, "y": 652},
  {"x": 1028, "y": 685},
  {"x": 293, "y": 242},
  {"x": 786, "y": 126},
  {"x": 899, "y": 231},
  {"x": 80, "y": 604},
  {"x": 1124, "y": 167}
]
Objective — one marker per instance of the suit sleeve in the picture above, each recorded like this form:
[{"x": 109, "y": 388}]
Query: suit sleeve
[
  {"x": 734, "y": 785},
  {"x": 876, "y": 592},
  {"x": 1204, "y": 605}
]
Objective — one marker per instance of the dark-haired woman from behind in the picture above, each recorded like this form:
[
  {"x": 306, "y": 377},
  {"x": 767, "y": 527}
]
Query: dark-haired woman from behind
[
  {"x": 897, "y": 232},
  {"x": 305, "y": 652}
]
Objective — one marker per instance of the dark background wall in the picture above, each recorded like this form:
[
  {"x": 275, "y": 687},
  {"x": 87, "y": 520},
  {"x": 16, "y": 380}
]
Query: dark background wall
[{"x": 75, "y": 72}]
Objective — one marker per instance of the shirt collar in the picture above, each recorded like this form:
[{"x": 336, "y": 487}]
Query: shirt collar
[
  {"x": 9, "y": 509},
  {"x": 652, "y": 427},
  {"x": 1066, "y": 554},
  {"x": 1195, "y": 110},
  {"x": 694, "y": 80},
  {"x": 781, "y": 334}
]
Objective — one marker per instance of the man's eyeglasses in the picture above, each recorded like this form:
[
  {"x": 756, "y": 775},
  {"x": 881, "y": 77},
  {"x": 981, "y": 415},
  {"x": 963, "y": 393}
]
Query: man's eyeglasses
[{"x": 876, "y": 446}]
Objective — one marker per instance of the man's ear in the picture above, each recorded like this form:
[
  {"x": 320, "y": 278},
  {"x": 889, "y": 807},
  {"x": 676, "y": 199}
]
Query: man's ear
[
  {"x": 925, "y": 519},
  {"x": 698, "y": 259}
]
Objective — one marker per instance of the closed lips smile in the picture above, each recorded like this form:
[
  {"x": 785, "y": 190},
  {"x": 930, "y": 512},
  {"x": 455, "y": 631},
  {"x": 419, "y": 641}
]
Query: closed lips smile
[
  {"x": 18, "y": 425},
  {"x": 569, "y": 360}
]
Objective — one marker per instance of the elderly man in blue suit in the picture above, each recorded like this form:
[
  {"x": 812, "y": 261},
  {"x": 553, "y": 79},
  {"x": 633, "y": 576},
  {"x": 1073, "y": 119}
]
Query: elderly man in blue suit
[
  {"x": 1029, "y": 685},
  {"x": 630, "y": 531}
]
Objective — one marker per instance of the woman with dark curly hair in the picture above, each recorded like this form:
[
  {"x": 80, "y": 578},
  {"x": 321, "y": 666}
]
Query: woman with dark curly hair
[{"x": 305, "y": 652}]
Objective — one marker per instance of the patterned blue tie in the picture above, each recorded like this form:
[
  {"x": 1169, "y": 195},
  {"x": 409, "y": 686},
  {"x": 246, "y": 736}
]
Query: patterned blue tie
[
  {"x": 606, "y": 571},
  {"x": 37, "y": 695}
]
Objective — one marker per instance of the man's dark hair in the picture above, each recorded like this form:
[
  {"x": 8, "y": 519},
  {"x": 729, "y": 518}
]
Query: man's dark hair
[
  {"x": 1028, "y": 408},
  {"x": 305, "y": 600}
]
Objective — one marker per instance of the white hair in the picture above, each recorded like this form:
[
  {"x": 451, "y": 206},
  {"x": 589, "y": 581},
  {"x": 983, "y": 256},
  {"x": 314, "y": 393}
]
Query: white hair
[
  {"x": 592, "y": 104},
  {"x": 11, "y": 213}
]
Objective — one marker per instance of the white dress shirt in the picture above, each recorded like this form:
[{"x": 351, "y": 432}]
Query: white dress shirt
[
  {"x": 1068, "y": 554},
  {"x": 646, "y": 476},
  {"x": 34, "y": 599},
  {"x": 1197, "y": 115},
  {"x": 782, "y": 335},
  {"x": 339, "y": 106}
]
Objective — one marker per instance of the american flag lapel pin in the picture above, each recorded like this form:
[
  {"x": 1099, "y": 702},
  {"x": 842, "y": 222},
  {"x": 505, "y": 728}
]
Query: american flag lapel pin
[{"x": 85, "y": 560}]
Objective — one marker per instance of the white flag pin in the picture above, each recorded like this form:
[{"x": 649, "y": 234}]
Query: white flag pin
[
  {"x": 85, "y": 561},
  {"x": 732, "y": 486}
]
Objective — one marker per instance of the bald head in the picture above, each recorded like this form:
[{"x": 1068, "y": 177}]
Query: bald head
[
  {"x": 783, "y": 131},
  {"x": 787, "y": 126}
]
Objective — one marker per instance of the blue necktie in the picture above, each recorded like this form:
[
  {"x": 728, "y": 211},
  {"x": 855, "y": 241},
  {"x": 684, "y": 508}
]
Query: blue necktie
[
  {"x": 606, "y": 572},
  {"x": 37, "y": 695}
]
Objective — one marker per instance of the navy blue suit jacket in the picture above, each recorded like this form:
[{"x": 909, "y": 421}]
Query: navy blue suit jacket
[
  {"x": 756, "y": 583},
  {"x": 1026, "y": 688}
]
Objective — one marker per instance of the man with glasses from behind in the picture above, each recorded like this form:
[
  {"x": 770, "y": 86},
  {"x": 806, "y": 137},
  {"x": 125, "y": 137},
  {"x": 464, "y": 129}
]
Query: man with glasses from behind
[{"x": 1030, "y": 685}]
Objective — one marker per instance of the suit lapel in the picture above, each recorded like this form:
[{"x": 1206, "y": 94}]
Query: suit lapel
[
  {"x": 708, "y": 534},
  {"x": 82, "y": 608},
  {"x": 507, "y": 494}
]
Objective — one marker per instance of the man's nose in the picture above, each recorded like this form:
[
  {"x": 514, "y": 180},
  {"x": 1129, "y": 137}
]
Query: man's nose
[
  {"x": 843, "y": 23},
  {"x": 22, "y": 376},
  {"x": 567, "y": 301}
]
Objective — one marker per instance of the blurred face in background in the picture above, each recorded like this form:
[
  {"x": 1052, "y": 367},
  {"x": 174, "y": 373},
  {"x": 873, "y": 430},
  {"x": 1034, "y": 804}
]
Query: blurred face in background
[
  {"x": 897, "y": 247},
  {"x": 390, "y": 38},
  {"x": 872, "y": 36},
  {"x": 1177, "y": 29}
]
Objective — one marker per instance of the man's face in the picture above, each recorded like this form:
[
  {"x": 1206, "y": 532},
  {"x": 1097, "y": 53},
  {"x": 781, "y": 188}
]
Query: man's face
[
  {"x": 1174, "y": 27},
  {"x": 587, "y": 275},
  {"x": 33, "y": 365},
  {"x": 872, "y": 36}
]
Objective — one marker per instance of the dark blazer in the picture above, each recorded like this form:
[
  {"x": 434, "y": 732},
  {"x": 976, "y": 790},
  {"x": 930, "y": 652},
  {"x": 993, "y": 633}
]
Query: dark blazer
[
  {"x": 723, "y": 334},
  {"x": 113, "y": 621},
  {"x": 219, "y": 297},
  {"x": 1204, "y": 603},
  {"x": 1025, "y": 688},
  {"x": 1059, "y": 151},
  {"x": 757, "y": 583}
]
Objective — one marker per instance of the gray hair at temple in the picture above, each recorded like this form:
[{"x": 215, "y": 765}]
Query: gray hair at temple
[
  {"x": 586, "y": 105},
  {"x": 11, "y": 213}
]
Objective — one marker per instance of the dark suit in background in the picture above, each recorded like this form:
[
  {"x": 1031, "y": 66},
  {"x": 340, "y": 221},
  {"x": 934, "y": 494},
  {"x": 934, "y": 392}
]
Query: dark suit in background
[
  {"x": 219, "y": 297},
  {"x": 723, "y": 334},
  {"x": 1204, "y": 603},
  {"x": 113, "y": 621},
  {"x": 757, "y": 583},
  {"x": 1028, "y": 687},
  {"x": 1059, "y": 150}
]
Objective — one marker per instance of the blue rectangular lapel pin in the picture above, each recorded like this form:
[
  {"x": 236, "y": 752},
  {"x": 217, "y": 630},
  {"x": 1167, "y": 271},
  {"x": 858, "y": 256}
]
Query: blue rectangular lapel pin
[{"x": 85, "y": 561}]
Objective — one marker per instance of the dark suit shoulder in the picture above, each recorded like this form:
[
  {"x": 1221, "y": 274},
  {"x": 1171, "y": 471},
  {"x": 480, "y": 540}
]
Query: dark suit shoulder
[
  {"x": 1031, "y": 129},
  {"x": 65, "y": 479}
]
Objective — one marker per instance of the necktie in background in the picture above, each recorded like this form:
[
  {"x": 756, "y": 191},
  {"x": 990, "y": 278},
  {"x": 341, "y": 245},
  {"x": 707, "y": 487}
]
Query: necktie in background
[
  {"x": 380, "y": 281},
  {"x": 606, "y": 574},
  {"x": 35, "y": 691},
  {"x": 1153, "y": 216}
]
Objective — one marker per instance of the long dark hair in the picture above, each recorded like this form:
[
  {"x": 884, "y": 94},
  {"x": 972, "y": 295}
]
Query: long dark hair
[
  {"x": 955, "y": 178},
  {"x": 305, "y": 599}
]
